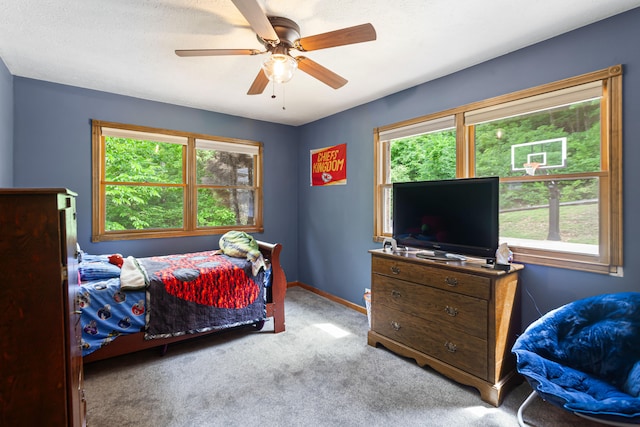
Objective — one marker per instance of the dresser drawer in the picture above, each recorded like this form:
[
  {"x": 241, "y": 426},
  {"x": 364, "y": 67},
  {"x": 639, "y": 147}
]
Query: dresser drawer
[
  {"x": 442, "y": 278},
  {"x": 448, "y": 309},
  {"x": 449, "y": 345}
]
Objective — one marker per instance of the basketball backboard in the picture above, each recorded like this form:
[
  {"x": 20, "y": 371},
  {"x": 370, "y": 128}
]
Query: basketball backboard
[{"x": 544, "y": 154}]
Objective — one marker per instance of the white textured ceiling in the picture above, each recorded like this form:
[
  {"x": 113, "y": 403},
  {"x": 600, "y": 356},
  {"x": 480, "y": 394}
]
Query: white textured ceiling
[{"x": 127, "y": 46}]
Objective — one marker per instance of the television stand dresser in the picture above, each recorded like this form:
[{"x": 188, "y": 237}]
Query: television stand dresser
[{"x": 458, "y": 317}]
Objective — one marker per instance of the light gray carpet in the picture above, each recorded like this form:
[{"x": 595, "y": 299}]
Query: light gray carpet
[{"x": 320, "y": 372}]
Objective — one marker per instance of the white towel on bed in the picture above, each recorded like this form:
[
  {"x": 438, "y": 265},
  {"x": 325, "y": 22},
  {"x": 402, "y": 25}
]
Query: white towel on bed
[{"x": 132, "y": 275}]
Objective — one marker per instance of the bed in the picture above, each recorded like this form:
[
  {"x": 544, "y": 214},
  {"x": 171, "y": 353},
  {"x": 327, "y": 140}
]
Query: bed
[{"x": 132, "y": 307}]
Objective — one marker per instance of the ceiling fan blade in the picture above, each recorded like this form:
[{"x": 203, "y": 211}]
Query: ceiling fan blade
[
  {"x": 216, "y": 52},
  {"x": 258, "y": 85},
  {"x": 351, "y": 35},
  {"x": 321, "y": 73},
  {"x": 256, "y": 17}
]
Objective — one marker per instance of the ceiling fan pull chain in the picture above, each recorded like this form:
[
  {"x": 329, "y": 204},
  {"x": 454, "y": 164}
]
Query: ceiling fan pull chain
[{"x": 283, "y": 99}]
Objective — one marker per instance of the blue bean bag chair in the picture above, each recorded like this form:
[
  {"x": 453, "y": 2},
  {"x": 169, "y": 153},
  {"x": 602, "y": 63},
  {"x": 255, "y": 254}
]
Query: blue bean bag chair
[{"x": 585, "y": 357}]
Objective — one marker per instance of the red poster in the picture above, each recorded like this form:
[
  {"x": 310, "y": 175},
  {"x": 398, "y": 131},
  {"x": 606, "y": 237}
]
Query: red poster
[{"x": 329, "y": 165}]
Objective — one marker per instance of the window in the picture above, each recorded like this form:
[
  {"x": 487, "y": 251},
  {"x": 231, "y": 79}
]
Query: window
[
  {"x": 419, "y": 152},
  {"x": 156, "y": 183},
  {"x": 557, "y": 151}
]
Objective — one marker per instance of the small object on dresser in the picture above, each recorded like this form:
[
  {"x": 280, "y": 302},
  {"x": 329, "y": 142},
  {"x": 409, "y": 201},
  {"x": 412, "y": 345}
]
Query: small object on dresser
[
  {"x": 504, "y": 256},
  {"x": 389, "y": 244}
]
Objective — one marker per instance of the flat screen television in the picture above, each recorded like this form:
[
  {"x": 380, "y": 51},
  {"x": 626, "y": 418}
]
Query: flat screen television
[{"x": 456, "y": 216}]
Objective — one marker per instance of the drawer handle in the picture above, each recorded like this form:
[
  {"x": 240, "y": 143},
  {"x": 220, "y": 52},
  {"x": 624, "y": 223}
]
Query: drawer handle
[
  {"x": 396, "y": 294},
  {"x": 451, "y": 281},
  {"x": 395, "y": 325},
  {"x": 451, "y": 347},
  {"x": 395, "y": 270},
  {"x": 451, "y": 311}
]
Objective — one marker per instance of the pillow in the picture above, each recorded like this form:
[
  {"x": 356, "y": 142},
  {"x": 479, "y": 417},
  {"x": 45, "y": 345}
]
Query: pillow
[
  {"x": 94, "y": 258},
  {"x": 97, "y": 270}
]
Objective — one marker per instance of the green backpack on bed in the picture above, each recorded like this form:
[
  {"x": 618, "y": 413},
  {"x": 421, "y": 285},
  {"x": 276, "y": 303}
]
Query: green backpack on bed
[
  {"x": 239, "y": 244},
  {"x": 242, "y": 245}
]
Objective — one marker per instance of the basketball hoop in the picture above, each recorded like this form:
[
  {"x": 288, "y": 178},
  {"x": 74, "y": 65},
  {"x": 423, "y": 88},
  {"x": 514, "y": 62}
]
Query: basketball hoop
[{"x": 530, "y": 168}]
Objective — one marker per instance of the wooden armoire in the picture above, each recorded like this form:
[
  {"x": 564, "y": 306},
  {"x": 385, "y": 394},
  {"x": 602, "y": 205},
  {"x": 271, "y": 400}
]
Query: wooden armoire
[{"x": 41, "y": 360}]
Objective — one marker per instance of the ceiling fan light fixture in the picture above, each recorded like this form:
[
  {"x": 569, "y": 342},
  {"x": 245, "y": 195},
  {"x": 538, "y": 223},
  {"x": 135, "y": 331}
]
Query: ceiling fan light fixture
[
  {"x": 279, "y": 68},
  {"x": 278, "y": 35}
]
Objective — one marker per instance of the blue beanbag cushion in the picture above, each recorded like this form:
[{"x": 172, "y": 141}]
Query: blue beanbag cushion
[
  {"x": 585, "y": 355},
  {"x": 632, "y": 385}
]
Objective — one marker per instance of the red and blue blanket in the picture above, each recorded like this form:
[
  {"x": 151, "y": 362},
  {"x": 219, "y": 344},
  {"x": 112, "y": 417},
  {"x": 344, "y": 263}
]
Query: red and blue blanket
[
  {"x": 186, "y": 293},
  {"x": 202, "y": 291}
]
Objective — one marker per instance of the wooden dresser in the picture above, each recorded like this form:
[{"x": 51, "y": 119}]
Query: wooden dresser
[
  {"x": 41, "y": 366},
  {"x": 459, "y": 318}
]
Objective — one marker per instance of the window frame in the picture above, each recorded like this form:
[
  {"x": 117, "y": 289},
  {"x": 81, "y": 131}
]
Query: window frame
[
  {"x": 610, "y": 257},
  {"x": 189, "y": 184}
]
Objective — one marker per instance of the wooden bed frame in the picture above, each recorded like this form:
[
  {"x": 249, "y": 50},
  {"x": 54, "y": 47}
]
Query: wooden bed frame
[{"x": 125, "y": 344}]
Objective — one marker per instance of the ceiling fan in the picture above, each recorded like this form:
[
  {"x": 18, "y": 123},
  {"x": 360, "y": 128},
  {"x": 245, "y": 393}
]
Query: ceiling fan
[{"x": 280, "y": 35}]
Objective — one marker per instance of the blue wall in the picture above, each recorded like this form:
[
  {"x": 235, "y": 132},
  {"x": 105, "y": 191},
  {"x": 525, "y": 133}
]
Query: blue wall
[
  {"x": 327, "y": 231},
  {"x": 336, "y": 223},
  {"x": 6, "y": 126},
  {"x": 52, "y": 148}
]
